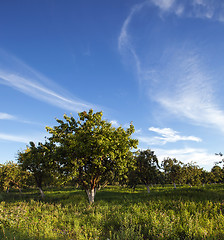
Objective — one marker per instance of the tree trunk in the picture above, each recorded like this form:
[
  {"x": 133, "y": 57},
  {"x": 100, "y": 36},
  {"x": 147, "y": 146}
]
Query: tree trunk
[
  {"x": 102, "y": 186},
  {"x": 148, "y": 188},
  {"x": 174, "y": 184},
  {"x": 41, "y": 193},
  {"x": 91, "y": 195},
  {"x": 20, "y": 191}
]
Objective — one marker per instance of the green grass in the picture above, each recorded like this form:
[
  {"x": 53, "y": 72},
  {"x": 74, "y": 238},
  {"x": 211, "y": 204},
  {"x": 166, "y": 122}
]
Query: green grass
[{"x": 118, "y": 213}]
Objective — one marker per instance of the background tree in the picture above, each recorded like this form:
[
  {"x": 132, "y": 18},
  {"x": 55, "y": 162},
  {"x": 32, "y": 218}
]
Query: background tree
[
  {"x": 217, "y": 174},
  {"x": 38, "y": 160},
  {"x": 205, "y": 176},
  {"x": 132, "y": 177},
  {"x": 192, "y": 173},
  {"x": 147, "y": 168},
  {"x": 173, "y": 171},
  {"x": 12, "y": 175},
  {"x": 221, "y": 161},
  {"x": 92, "y": 149}
]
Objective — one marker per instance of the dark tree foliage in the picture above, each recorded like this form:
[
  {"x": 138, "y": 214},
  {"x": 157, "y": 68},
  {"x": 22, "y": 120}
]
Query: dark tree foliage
[
  {"x": 12, "y": 176},
  {"x": 38, "y": 160},
  {"x": 147, "y": 167},
  {"x": 173, "y": 170}
]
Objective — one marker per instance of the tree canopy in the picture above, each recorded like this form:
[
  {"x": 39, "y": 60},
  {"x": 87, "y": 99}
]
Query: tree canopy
[
  {"x": 173, "y": 170},
  {"x": 39, "y": 161},
  {"x": 147, "y": 167},
  {"x": 12, "y": 175},
  {"x": 89, "y": 148}
]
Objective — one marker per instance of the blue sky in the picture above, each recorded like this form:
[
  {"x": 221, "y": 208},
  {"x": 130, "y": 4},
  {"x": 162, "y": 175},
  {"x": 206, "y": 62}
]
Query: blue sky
[{"x": 156, "y": 63}]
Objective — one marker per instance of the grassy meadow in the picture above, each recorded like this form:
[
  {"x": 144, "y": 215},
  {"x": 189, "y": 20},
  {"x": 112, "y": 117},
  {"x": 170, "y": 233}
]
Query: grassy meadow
[{"x": 118, "y": 213}]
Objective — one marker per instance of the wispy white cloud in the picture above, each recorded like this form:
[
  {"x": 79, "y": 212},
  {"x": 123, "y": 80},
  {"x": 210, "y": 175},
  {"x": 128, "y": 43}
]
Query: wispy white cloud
[
  {"x": 187, "y": 155},
  {"x": 205, "y": 9},
  {"x": 14, "y": 138},
  {"x": 40, "y": 92},
  {"x": 125, "y": 45},
  {"x": 165, "y": 5},
  {"x": 138, "y": 131},
  {"x": 149, "y": 140},
  {"x": 36, "y": 137},
  {"x": 208, "y": 9},
  {"x": 183, "y": 85},
  {"x": 124, "y": 39},
  {"x": 192, "y": 94},
  {"x": 16, "y": 74},
  {"x": 7, "y": 116},
  {"x": 169, "y": 135},
  {"x": 114, "y": 123},
  {"x": 202, "y": 114}
]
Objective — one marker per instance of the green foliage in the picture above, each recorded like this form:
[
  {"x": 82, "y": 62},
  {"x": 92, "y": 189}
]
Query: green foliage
[
  {"x": 217, "y": 175},
  {"x": 147, "y": 167},
  {"x": 39, "y": 161},
  {"x": 192, "y": 173},
  {"x": 90, "y": 150},
  {"x": 173, "y": 171},
  {"x": 12, "y": 176}
]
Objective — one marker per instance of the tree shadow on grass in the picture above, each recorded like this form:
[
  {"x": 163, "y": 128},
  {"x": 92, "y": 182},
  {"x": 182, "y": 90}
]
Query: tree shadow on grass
[
  {"x": 183, "y": 193},
  {"x": 119, "y": 195},
  {"x": 59, "y": 195},
  {"x": 194, "y": 194}
]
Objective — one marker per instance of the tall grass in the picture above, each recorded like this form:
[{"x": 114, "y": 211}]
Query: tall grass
[{"x": 118, "y": 213}]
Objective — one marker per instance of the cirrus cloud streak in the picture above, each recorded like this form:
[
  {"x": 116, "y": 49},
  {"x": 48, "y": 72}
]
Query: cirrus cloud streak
[
  {"x": 18, "y": 75},
  {"x": 6, "y": 116},
  {"x": 180, "y": 82}
]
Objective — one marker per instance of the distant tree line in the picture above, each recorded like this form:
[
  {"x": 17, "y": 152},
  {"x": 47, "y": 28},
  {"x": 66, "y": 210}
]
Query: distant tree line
[
  {"x": 90, "y": 153},
  {"x": 147, "y": 171}
]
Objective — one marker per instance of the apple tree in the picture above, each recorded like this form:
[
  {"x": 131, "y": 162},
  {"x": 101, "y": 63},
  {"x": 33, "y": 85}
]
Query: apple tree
[
  {"x": 90, "y": 149},
  {"x": 38, "y": 160},
  {"x": 173, "y": 170},
  {"x": 147, "y": 168},
  {"x": 12, "y": 175}
]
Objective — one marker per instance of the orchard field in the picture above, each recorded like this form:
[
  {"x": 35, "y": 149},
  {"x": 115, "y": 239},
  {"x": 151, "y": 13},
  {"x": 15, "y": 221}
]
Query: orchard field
[{"x": 118, "y": 213}]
